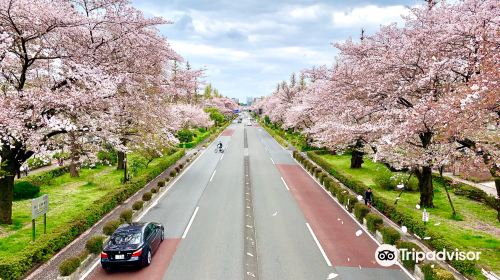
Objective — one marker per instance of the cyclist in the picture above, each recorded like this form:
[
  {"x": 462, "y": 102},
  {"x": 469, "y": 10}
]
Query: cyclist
[{"x": 219, "y": 146}]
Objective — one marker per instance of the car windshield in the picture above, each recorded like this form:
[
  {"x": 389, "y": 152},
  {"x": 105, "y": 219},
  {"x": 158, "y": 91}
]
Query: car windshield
[{"x": 126, "y": 237}]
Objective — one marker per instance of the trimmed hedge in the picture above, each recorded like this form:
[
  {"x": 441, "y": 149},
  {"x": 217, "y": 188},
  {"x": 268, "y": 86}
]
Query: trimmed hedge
[
  {"x": 373, "y": 222},
  {"x": 436, "y": 273},
  {"x": 360, "y": 211},
  {"x": 470, "y": 192},
  {"x": 25, "y": 190},
  {"x": 46, "y": 245},
  {"x": 409, "y": 263},
  {"x": 138, "y": 205},
  {"x": 154, "y": 190},
  {"x": 110, "y": 227},
  {"x": 161, "y": 184},
  {"x": 94, "y": 244},
  {"x": 147, "y": 196},
  {"x": 126, "y": 216},
  {"x": 390, "y": 235},
  {"x": 68, "y": 266},
  {"x": 44, "y": 177},
  {"x": 173, "y": 173}
]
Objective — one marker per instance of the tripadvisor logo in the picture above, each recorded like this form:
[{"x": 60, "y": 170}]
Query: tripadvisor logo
[{"x": 387, "y": 255}]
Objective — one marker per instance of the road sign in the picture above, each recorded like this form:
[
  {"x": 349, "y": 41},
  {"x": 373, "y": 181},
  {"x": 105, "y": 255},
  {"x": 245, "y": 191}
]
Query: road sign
[{"x": 39, "y": 206}]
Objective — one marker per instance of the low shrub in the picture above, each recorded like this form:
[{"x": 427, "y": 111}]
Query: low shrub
[
  {"x": 177, "y": 169},
  {"x": 408, "y": 263},
  {"x": 360, "y": 211},
  {"x": 167, "y": 179},
  {"x": 154, "y": 190},
  {"x": 390, "y": 235},
  {"x": 181, "y": 166},
  {"x": 383, "y": 180},
  {"x": 173, "y": 173},
  {"x": 25, "y": 190},
  {"x": 110, "y": 227},
  {"x": 68, "y": 266},
  {"x": 161, "y": 184},
  {"x": 138, "y": 205},
  {"x": 147, "y": 196},
  {"x": 94, "y": 244},
  {"x": 373, "y": 222},
  {"x": 442, "y": 274},
  {"x": 350, "y": 201},
  {"x": 436, "y": 272},
  {"x": 126, "y": 216}
]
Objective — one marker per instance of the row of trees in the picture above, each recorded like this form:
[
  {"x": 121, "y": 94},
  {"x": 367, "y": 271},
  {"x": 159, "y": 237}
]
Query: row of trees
[
  {"x": 416, "y": 97},
  {"x": 81, "y": 73}
]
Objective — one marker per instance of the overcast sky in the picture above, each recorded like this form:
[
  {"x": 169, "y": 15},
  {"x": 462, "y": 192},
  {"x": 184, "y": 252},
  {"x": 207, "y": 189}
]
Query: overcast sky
[{"x": 248, "y": 46}]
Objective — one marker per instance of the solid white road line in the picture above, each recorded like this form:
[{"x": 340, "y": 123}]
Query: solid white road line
[
  {"x": 286, "y": 186},
  {"x": 190, "y": 222},
  {"x": 273, "y": 161},
  {"x": 221, "y": 157},
  {"x": 319, "y": 245},
  {"x": 213, "y": 174}
]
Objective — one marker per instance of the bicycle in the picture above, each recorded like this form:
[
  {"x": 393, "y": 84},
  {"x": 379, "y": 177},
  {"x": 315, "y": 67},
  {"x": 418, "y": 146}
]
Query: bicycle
[{"x": 219, "y": 150}]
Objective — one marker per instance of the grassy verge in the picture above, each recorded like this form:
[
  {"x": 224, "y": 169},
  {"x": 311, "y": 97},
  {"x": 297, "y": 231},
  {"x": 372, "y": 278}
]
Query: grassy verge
[
  {"x": 284, "y": 137},
  {"x": 475, "y": 229},
  {"x": 75, "y": 204}
]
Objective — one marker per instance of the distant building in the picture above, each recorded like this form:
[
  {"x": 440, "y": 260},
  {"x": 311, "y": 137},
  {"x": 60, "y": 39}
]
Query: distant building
[
  {"x": 236, "y": 100},
  {"x": 250, "y": 101}
]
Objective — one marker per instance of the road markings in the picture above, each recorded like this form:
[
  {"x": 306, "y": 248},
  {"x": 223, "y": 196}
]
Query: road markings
[
  {"x": 273, "y": 161},
  {"x": 213, "y": 174},
  {"x": 319, "y": 245},
  {"x": 331, "y": 276},
  {"x": 286, "y": 186},
  {"x": 221, "y": 157},
  {"x": 190, "y": 222}
]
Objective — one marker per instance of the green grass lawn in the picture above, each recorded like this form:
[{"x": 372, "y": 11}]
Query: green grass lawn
[
  {"x": 68, "y": 197},
  {"x": 477, "y": 230}
]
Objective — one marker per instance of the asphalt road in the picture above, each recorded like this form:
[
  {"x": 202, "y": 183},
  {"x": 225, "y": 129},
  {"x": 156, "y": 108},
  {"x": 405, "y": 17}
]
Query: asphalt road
[{"x": 297, "y": 230}]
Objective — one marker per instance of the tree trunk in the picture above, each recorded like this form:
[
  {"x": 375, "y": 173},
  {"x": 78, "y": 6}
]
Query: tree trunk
[
  {"x": 121, "y": 157},
  {"x": 356, "y": 159},
  {"x": 7, "y": 190},
  {"x": 425, "y": 186},
  {"x": 73, "y": 169}
]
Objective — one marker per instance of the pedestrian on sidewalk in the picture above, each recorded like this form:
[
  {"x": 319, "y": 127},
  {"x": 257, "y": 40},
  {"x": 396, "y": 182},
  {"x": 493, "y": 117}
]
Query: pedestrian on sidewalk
[{"x": 369, "y": 197}]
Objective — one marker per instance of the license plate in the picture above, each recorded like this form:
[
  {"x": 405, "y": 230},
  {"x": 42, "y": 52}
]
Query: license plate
[{"x": 119, "y": 257}]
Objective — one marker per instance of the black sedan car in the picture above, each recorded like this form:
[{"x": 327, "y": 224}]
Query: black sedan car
[{"x": 132, "y": 245}]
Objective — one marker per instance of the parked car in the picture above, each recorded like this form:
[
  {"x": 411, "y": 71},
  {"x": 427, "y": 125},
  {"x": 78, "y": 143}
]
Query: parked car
[{"x": 132, "y": 245}]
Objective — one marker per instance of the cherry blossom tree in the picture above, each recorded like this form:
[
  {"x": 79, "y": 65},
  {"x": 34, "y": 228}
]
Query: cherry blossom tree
[{"x": 62, "y": 65}]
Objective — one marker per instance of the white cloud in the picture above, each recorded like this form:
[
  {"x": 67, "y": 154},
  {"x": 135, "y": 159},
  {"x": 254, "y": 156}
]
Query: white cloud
[
  {"x": 368, "y": 15},
  {"x": 207, "y": 51},
  {"x": 306, "y": 13}
]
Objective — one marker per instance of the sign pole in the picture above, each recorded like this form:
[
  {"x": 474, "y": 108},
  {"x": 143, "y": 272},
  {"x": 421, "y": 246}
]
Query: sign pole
[
  {"x": 33, "y": 226},
  {"x": 45, "y": 223}
]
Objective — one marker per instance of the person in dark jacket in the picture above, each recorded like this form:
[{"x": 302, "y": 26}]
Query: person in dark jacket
[{"x": 368, "y": 197}]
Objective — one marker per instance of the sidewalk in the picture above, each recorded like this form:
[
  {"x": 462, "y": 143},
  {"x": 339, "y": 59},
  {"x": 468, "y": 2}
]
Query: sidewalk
[{"x": 52, "y": 166}]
